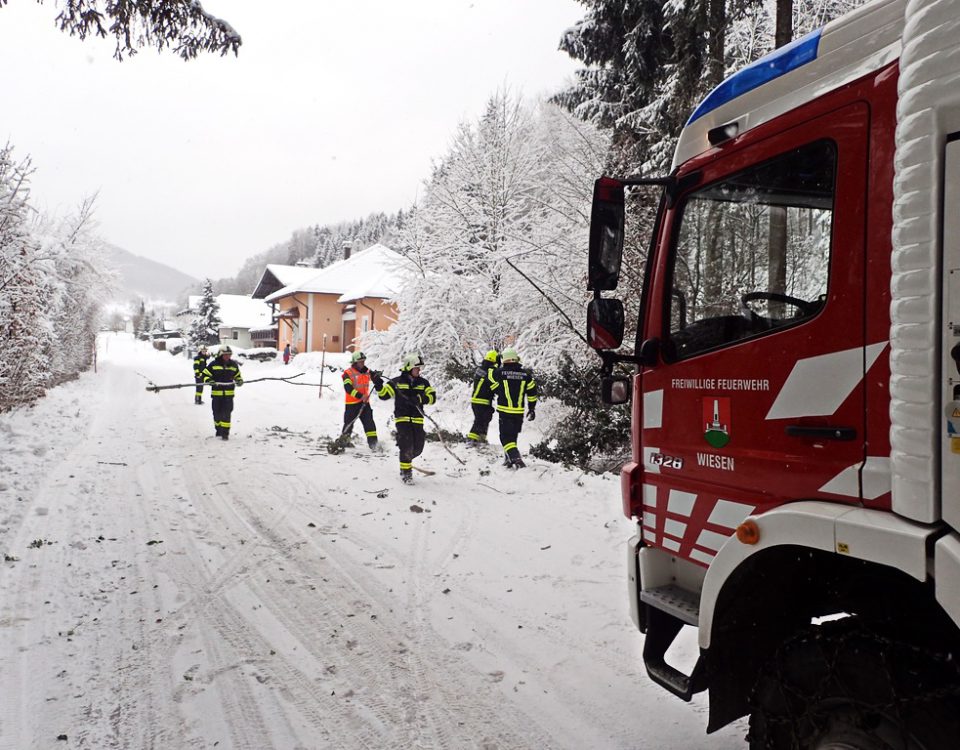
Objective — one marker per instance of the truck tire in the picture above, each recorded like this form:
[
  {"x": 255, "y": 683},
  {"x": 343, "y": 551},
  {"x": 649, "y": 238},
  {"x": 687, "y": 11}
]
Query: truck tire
[{"x": 838, "y": 686}]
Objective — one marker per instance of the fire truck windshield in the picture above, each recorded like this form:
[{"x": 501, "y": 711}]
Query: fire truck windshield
[{"x": 752, "y": 252}]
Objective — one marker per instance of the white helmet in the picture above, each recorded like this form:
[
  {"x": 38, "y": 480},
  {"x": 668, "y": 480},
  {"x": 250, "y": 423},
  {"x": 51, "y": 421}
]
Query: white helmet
[
  {"x": 412, "y": 360},
  {"x": 509, "y": 355}
]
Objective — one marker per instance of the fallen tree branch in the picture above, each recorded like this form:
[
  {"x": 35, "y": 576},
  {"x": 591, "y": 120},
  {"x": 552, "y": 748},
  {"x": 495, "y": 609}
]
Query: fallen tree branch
[{"x": 158, "y": 388}]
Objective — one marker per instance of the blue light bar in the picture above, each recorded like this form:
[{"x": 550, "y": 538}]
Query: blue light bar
[{"x": 783, "y": 60}]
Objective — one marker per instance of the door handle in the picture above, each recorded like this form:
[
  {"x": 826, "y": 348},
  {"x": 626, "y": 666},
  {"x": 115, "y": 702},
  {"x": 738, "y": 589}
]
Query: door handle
[{"x": 823, "y": 433}]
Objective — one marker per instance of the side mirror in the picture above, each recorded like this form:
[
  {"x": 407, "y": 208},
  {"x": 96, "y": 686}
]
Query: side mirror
[
  {"x": 615, "y": 390},
  {"x": 605, "y": 323},
  {"x": 606, "y": 235}
]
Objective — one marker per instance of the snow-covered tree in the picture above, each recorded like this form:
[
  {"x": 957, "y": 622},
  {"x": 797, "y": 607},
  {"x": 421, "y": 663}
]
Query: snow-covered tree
[
  {"x": 25, "y": 334},
  {"x": 50, "y": 284},
  {"x": 648, "y": 62},
  {"x": 181, "y": 25},
  {"x": 76, "y": 287},
  {"x": 499, "y": 240},
  {"x": 205, "y": 328}
]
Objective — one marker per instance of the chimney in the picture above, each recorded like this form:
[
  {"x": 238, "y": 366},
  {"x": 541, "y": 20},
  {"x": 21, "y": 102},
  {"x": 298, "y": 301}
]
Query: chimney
[{"x": 347, "y": 248}]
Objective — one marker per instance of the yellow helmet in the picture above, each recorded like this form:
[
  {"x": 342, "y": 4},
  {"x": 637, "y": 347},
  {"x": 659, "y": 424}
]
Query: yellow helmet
[{"x": 491, "y": 356}]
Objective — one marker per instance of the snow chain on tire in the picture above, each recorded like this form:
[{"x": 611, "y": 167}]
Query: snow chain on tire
[{"x": 839, "y": 680}]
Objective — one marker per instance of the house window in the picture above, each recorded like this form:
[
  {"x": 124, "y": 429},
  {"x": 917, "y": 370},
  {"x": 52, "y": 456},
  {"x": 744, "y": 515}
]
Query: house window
[
  {"x": 365, "y": 325},
  {"x": 236, "y": 335}
]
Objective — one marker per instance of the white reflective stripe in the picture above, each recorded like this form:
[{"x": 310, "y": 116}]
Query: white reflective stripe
[
  {"x": 711, "y": 539},
  {"x": 648, "y": 451},
  {"x": 846, "y": 483},
  {"x": 818, "y": 385},
  {"x": 681, "y": 502},
  {"x": 674, "y": 528},
  {"x": 730, "y": 514},
  {"x": 650, "y": 495},
  {"x": 653, "y": 409},
  {"x": 875, "y": 475},
  {"x": 705, "y": 557},
  {"x": 670, "y": 544}
]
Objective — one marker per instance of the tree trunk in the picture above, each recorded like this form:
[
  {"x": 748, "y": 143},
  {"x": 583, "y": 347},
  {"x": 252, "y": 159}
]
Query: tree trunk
[{"x": 777, "y": 247}]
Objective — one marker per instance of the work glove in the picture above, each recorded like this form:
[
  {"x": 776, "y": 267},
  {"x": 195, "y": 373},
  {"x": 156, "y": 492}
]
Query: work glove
[
  {"x": 531, "y": 415},
  {"x": 239, "y": 383},
  {"x": 377, "y": 382}
]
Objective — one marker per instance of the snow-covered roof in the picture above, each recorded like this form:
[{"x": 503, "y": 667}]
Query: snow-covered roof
[
  {"x": 374, "y": 272},
  {"x": 276, "y": 276},
  {"x": 240, "y": 311}
]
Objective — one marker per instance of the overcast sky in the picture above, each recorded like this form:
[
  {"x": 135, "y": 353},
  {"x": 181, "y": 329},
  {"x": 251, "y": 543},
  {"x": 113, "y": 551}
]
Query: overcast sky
[{"x": 333, "y": 110}]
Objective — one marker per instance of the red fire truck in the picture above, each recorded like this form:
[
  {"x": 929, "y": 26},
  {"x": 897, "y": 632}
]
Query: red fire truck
[{"x": 795, "y": 477}]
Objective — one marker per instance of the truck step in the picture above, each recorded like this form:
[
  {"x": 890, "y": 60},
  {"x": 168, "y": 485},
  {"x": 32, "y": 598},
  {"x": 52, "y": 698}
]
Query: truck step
[{"x": 676, "y": 601}]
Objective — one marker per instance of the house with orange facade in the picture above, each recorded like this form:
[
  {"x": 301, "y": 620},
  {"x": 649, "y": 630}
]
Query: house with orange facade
[{"x": 335, "y": 305}]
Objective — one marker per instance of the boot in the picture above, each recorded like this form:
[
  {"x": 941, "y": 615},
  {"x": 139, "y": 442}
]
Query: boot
[
  {"x": 507, "y": 462},
  {"x": 197, "y": 400},
  {"x": 375, "y": 446},
  {"x": 225, "y": 435},
  {"x": 519, "y": 464},
  {"x": 406, "y": 476}
]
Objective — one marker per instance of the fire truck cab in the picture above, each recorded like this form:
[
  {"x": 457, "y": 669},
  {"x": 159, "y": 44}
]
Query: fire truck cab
[{"x": 795, "y": 477}]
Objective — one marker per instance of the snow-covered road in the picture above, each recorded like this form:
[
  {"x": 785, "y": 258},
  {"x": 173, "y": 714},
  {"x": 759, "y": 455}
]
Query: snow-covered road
[{"x": 164, "y": 589}]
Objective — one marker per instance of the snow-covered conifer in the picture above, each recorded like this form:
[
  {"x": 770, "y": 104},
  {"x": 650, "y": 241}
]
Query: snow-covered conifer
[{"x": 205, "y": 328}]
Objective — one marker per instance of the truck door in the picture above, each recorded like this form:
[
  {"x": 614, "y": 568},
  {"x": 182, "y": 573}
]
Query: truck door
[{"x": 757, "y": 398}]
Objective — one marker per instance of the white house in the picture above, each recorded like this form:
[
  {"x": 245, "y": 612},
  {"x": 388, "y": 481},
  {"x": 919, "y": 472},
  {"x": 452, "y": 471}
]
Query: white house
[{"x": 238, "y": 315}]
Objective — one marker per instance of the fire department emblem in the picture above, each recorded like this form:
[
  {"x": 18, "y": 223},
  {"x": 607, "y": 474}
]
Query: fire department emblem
[{"x": 716, "y": 420}]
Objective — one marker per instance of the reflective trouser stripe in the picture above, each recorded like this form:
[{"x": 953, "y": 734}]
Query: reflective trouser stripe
[
  {"x": 405, "y": 465},
  {"x": 510, "y": 426}
]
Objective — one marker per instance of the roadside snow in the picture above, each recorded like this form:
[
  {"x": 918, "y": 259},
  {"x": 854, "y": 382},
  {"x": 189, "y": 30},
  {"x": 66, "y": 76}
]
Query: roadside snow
[{"x": 162, "y": 588}]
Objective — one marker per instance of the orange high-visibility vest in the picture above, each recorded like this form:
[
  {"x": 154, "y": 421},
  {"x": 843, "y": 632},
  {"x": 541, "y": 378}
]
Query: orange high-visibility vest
[{"x": 356, "y": 385}]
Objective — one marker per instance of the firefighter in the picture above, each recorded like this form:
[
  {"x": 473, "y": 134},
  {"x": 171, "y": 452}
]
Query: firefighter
[
  {"x": 481, "y": 397},
  {"x": 514, "y": 387},
  {"x": 199, "y": 365},
  {"x": 411, "y": 393},
  {"x": 356, "y": 385},
  {"x": 224, "y": 373}
]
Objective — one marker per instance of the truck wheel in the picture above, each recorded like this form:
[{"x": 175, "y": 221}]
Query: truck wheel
[{"x": 840, "y": 687}]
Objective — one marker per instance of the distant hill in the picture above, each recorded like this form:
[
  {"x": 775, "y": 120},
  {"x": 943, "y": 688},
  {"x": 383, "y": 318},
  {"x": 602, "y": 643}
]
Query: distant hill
[{"x": 142, "y": 277}]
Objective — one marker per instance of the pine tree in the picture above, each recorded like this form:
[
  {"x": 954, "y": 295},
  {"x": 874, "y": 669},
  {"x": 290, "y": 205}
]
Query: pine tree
[
  {"x": 205, "y": 328},
  {"x": 182, "y": 25}
]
